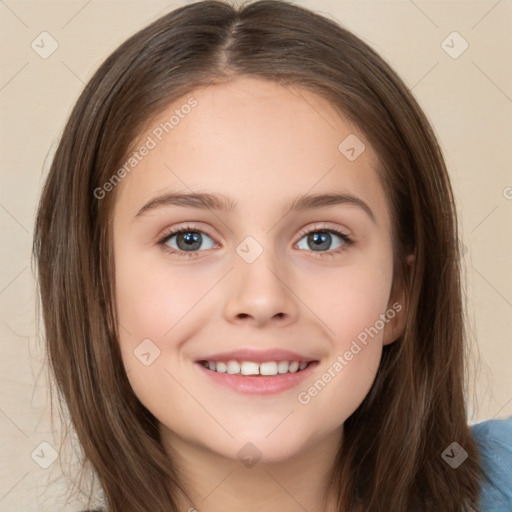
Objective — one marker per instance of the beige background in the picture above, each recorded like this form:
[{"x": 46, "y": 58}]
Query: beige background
[{"x": 468, "y": 100}]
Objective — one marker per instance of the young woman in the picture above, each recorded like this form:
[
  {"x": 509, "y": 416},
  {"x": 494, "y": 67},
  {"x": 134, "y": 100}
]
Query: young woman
[{"x": 249, "y": 269}]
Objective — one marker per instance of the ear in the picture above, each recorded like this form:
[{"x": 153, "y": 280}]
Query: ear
[{"x": 398, "y": 304}]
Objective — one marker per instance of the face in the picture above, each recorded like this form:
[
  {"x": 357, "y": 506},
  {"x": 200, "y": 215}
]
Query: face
[{"x": 309, "y": 283}]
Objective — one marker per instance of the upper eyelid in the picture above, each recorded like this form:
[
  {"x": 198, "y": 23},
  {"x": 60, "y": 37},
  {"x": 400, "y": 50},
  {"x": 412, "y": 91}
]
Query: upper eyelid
[{"x": 317, "y": 226}]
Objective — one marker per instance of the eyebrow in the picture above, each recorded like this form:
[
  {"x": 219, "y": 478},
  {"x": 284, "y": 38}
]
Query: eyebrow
[{"x": 220, "y": 202}]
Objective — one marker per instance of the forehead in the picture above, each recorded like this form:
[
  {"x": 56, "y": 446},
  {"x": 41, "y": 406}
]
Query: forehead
[{"x": 255, "y": 141}]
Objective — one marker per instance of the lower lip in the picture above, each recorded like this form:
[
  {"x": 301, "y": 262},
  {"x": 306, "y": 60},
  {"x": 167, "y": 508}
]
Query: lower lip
[{"x": 258, "y": 385}]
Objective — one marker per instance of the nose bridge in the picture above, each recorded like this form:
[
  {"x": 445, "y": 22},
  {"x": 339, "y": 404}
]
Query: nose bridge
[
  {"x": 258, "y": 267},
  {"x": 258, "y": 284}
]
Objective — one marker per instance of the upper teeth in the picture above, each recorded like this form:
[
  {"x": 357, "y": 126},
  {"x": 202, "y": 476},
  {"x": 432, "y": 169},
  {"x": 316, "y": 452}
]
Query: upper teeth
[{"x": 252, "y": 368}]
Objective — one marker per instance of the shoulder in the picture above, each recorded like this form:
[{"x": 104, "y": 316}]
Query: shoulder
[{"x": 494, "y": 439}]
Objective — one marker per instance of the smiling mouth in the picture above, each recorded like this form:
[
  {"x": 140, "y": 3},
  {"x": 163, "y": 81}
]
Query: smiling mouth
[{"x": 254, "y": 369}]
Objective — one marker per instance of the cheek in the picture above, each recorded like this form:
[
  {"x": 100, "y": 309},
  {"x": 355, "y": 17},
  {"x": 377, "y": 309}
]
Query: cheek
[
  {"x": 159, "y": 306},
  {"x": 153, "y": 301},
  {"x": 352, "y": 300},
  {"x": 152, "y": 295},
  {"x": 352, "y": 308}
]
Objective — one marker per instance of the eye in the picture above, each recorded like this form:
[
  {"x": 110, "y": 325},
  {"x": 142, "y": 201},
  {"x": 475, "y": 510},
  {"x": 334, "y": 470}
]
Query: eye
[
  {"x": 184, "y": 242},
  {"x": 320, "y": 240}
]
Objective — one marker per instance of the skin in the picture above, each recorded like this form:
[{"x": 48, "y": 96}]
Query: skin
[{"x": 261, "y": 144}]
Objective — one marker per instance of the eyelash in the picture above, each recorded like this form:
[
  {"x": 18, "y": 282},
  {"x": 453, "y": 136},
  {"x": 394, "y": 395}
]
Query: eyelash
[{"x": 316, "y": 229}]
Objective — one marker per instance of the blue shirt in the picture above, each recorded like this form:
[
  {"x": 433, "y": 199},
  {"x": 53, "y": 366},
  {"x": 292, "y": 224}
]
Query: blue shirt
[{"x": 494, "y": 439}]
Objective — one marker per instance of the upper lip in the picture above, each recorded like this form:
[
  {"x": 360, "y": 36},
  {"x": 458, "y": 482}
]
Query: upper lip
[{"x": 258, "y": 356}]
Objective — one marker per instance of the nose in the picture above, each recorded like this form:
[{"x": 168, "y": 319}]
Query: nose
[{"x": 260, "y": 292}]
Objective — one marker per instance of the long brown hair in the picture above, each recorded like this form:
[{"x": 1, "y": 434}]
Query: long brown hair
[{"x": 391, "y": 458}]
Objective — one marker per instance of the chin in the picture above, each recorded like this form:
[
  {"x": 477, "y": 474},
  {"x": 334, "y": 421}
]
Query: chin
[{"x": 265, "y": 445}]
